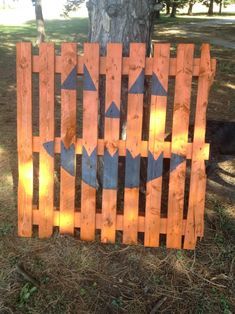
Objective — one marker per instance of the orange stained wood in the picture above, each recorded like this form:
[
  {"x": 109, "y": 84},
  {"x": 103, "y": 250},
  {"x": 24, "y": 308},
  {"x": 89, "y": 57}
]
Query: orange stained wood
[
  {"x": 111, "y": 136},
  {"x": 46, "y": 126},
  {"x": 68, "y": 136},
  {"x": 133, "y": 142},
  {"x": 180, "y": 127},
  {"x": 90, "y": 135},
  {"x": 108, "y": 219},
  {"x": 24, "y": 138},
  {"x": 125, "y": 65},
  {"x": 121, "y": 144},
  {"x": 195, "y": 219},
  {"x": 98, "y": 219},
  {"x": 161, "y": 63}
]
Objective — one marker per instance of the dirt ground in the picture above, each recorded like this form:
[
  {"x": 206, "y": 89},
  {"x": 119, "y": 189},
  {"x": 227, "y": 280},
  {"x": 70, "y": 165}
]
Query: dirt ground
[{"x": 66, "y": 275}]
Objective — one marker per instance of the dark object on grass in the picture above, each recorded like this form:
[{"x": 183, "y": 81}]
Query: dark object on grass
[{"x": 21, "y": 270}]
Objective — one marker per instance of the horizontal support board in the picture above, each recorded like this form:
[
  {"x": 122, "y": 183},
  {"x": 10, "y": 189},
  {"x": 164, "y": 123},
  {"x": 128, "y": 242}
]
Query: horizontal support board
[
  {"x": 125, "y": 65},
  {"x": 98, "y": 221},
  {"x": 202, "y": 154}
]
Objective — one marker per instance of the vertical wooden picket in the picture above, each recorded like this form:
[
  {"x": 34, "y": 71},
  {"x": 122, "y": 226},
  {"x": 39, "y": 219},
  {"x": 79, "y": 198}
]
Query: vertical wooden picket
[
  {"x": 68, "y": 136},
  {"x": 90, "y": 137},
  {"x": 195, "y": 217},
  {"x": 161, "y": 62},
  {"x": 183, "y": 81},
  {"x": 24, "y": 138},
  {"x": 46, "y": 127},
  {"x": 133, "y": 142},
  {"x": 111, "y": 137}
]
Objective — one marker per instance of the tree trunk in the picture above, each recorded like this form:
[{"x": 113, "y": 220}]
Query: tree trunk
[
  {"x": 190, "y": 8},
  {"x": 168, "y": 7},
  {"x": 120, "y": 21},
  {"x": 173, "y": 9},
  {"x": 220, "y": 6},
  {"x": 210, "y": 11},
  {"x": 40, "y": 22}
]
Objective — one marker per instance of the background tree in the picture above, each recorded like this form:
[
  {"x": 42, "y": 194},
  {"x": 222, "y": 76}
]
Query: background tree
[
  {"x": 210, "y": 5},
  {"x": 190, "y": 6},
  {"x": 211, "y": 8},
  {"x": 122, "y": 21},
  {"x": 71, "y": 5},
  {"x": 177, "y": 4},
  {"x": 39, "y": 21},
  {"x": 223, "y": 3},
  {"x": 168, "y": 6}
]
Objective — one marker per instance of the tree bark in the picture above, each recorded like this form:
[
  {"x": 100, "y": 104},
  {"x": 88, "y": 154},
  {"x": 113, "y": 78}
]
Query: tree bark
[
  {"x": 168, "y": 7},
  {"x": 40, "y": 22},
  {"x": 121, "y": 21},
  {"x": 190, "y": 8},
  {"x": 220, "y": 6},
  {"x": 210, "y": 11},
  {"x": 173, "y": 9}
]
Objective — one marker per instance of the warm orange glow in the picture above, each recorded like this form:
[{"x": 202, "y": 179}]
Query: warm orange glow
[
  {"x": 131, "y": 216},
  {"x": 45, "y": 180},
  {"x": 199, "y": 134},
  {"x": 66, "y": 220},
  {"x": 157, "y": 123},
  {"x": 26, "y": 177}
]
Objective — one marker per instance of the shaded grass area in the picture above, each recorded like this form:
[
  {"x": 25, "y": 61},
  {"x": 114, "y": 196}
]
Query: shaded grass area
[
  {"x": 89, "y": 277},
  {"x": 77, "y": 277}
]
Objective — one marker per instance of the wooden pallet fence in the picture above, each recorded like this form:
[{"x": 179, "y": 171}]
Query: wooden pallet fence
[{"x": 180, "y": 231}]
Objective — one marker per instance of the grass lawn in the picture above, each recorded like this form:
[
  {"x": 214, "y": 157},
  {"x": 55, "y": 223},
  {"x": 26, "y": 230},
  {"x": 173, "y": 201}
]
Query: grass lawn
[{"x": 76, "y": 277}]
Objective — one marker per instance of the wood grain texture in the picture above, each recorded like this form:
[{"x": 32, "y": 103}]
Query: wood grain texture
[
  {"x": 98, "y": 220},
  {"x": 121, "y": 145},
  {"x": 46, "y": 129},
  {"x": 179, "y": 141},
  {"x": 24, "y": 138},
  {"x": 156, "y": 143},
  {"x": 125, "y": 65},
  {"x": 133, "y": 142},
  {"x": 195, "y": 216},
  {"x": 68, "y": 137},
  {"x": 111, "y": 136},
  {"x": 89, "y": 142}
]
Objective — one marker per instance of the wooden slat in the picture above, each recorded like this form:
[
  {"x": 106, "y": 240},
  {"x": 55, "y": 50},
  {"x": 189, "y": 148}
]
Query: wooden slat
[
  {"x": 90, "y": 135},
  {"x": 133, "y": 142},
  {"x": 46, "y": 127},
  {"x": 68, "y": 136},
  {"x": 98, "y": 219},
  {"x": 179, "y": 141},
  {"x": 125, "y": 65},
  {"x": 195, "y": 216},
  {"x": 121, "y": 145},
  {"x": 111, "y": 136},
  {"x": 156, "y": 143},
  {"x": 24, "y": 138}
]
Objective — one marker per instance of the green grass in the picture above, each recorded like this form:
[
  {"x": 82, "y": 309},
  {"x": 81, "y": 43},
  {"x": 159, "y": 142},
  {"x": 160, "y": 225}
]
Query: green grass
[{"x": 74, "y": 30}]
